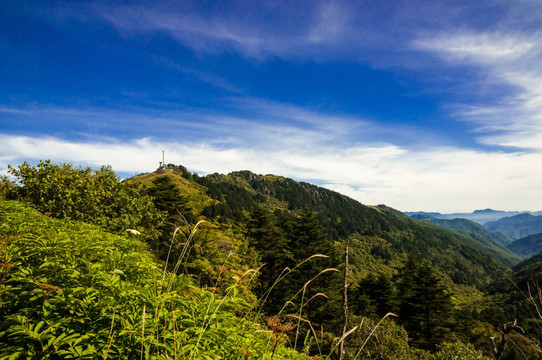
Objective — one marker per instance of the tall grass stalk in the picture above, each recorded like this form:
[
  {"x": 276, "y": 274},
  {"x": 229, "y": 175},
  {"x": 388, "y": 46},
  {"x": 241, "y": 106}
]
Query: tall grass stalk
[
  {"x": 207, "y": 323},
  {"x": 302, "y": 291},
  {"x": 299, "y": 318},
  {"x": 371, "y": 333},
  {"x": 143, "y": 331},
  {"x": 281, "y": 277},
  {"x": 158, "y": 298},
  {"x": 302, "y": 304},
  {"x": 111, "y": 335},
  {"x": 341, "y": 340}
]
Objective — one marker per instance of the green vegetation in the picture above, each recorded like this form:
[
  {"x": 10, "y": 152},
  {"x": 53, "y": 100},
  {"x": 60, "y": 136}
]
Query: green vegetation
[
  {"x": 70, "y": 290},
  {"x": 238, "y": 266},
  {"x": 478, "y": 236},
  {"x": 93, "y": 196}
]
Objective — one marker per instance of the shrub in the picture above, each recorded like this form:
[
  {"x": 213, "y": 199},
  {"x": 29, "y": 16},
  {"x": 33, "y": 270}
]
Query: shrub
[{"x": 93, "y": 196}]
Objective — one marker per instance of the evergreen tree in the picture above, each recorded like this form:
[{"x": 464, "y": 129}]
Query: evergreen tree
[
  {"x": 271, "y": 245},
  {"x": 425, "y": 304},
  {"x": 307, "y": 238},
  {"x": 375, "y": 296},
  {"x": 167, "y": 196}
]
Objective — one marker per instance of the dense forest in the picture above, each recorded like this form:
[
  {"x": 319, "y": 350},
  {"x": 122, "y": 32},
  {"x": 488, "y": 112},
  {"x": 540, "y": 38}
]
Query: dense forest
[{"x": 171, "y": 264}]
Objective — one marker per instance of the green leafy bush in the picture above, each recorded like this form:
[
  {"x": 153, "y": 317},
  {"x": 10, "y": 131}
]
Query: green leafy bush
[
  {"x": 94, "y": 196},
  {"x": 69, "y": 290}
]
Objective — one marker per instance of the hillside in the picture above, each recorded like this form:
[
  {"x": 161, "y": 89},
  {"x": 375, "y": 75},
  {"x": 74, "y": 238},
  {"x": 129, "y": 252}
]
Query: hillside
[
  {"x": 487, "y": 241},
  {"x": 528, "y": 246},
  {"x": 382, "y": 239},
  {"x": 517, "y": 296},
  {"x": 227, "y": 251},
  {"x": 470, "y": 227},
  {"x": 518, "y": 226}
]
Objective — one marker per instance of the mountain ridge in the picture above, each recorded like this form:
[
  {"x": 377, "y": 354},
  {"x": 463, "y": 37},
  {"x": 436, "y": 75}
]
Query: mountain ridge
[
  {"x": 385, "y": 235},
  {"x": 528, "y": 246},
  {"x": 479, "y": 216},
  {"x": 518, "y": 226}
]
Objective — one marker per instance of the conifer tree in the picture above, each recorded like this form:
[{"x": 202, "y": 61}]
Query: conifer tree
[
  {"x": 375, "y": 296},
  {"x": 307, "y": 238},
  {"x": 167, "y": 197},
  {"x": 425, "y": 304},
  {"x": 271, "y": 245}
]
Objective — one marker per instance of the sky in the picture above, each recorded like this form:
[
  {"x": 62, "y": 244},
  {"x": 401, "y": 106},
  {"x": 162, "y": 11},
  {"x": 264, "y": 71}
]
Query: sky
[{"x": 419, "y": 105}]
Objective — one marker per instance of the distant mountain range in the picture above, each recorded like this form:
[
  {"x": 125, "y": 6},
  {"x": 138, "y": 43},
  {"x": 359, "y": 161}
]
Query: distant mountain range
[
  {"x": 470, "y": 227},
  {"x": 479, "y": 216},
  {"x": 520, "y": 233},
  {"x": 518, "y": 226}
]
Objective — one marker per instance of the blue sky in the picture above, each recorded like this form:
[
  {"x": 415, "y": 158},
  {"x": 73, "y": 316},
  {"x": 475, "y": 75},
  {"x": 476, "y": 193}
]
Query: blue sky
[{"x": 419, "y": 105}]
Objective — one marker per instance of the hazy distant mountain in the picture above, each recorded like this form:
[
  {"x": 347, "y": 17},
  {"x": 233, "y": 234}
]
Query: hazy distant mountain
[
  {"x": 518, "y": 226},
  {"x": 479, "y": 216},
  {"x": 528, "y": 246},
  {"x": 472, "y": 228}
]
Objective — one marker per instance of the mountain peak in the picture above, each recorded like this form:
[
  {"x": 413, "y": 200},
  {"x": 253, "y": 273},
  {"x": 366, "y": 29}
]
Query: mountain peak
[{"x": 487, "y": 211}]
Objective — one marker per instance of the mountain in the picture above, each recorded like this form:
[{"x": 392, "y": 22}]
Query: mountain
[
  {"x": 251, "y": 244},
  {"x": 518, "y": 226},
  {"x": 528, "y": 246},
  {"x": 470, "y": 227},
  {"x": 479, "y": 216},
  {"x": 382, "y": 237},
  {"x": 494, "y": 242}
]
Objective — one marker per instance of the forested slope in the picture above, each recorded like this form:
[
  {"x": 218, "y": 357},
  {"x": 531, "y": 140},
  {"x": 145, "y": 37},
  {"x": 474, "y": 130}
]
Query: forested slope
[
  {"x": 528, "y": 246},
  {"x": 488, "y": 241},
  {"x": 386, "y": 238}
]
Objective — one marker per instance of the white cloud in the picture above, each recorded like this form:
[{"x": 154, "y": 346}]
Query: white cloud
[
  {"x": 441, "y": 179},
  {"x": 206, "y": 34},
  {"x": 478, "y": 48}
]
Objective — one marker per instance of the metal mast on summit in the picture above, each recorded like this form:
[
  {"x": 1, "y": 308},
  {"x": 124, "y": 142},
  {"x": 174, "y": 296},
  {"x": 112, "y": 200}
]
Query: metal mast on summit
[{"x": 163, "y": 162}]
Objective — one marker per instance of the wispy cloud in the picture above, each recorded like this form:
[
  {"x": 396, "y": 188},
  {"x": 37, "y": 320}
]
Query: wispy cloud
[
  {"x": 255, "y": 30},
  {"x": 331, "y": 23},
  {"x": 514, "y": 118},
  {"x": 240, "y": 121},
  {"x": 478, "y": 48},
  {"x": 213, "y": 34}
]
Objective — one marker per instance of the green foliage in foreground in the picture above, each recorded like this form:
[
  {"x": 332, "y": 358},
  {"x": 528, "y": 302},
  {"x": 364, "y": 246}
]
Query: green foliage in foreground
[{"x": 72, "y": 291}]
